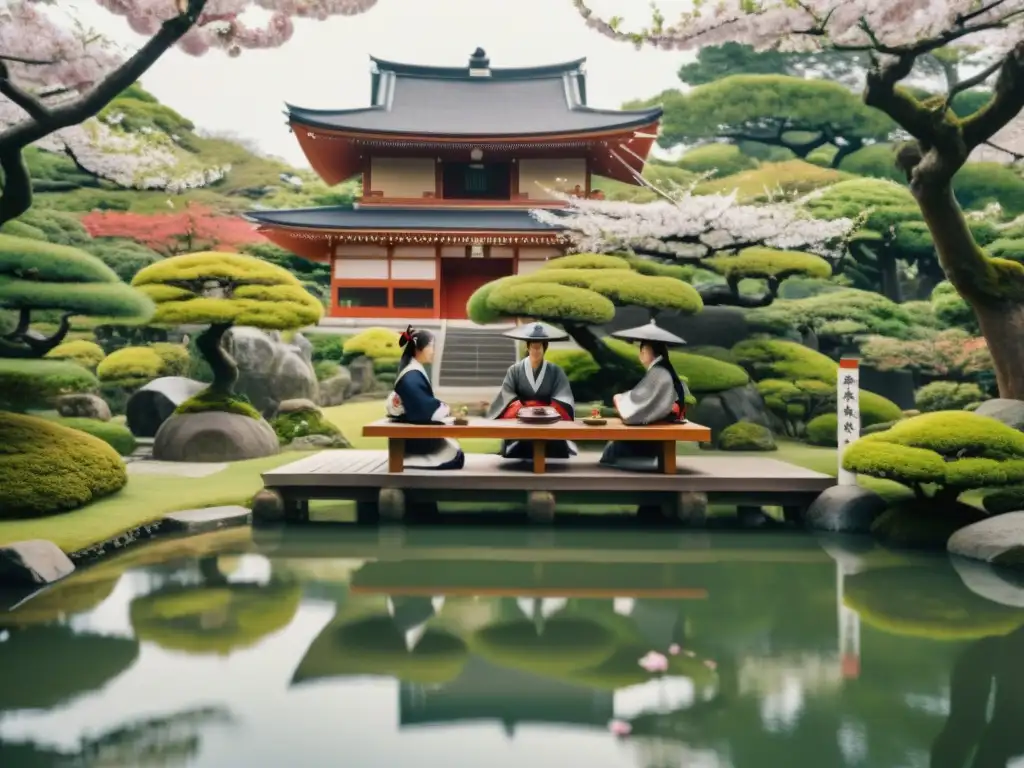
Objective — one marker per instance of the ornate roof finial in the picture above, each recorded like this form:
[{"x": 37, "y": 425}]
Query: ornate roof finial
[{"x": 479, "y": 59}]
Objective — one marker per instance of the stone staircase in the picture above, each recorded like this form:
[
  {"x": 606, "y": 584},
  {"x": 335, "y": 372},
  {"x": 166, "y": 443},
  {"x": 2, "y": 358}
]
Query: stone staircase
[{"x": 474, "y": 357}]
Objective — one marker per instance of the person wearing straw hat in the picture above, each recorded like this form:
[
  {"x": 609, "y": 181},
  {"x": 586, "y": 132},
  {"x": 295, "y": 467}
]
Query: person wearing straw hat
[
  {"x": 660, "y": 396},
  {"x": 533, "y": 382}
]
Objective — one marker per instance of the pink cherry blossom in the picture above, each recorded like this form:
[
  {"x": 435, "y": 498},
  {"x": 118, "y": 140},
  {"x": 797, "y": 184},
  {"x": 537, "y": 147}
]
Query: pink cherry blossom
[
  {"x": 674, "y": 649},
  {"x": 712, "y": 665},
  {"x": 620, "y": 728},
  {"x": 654, "y": 662}
]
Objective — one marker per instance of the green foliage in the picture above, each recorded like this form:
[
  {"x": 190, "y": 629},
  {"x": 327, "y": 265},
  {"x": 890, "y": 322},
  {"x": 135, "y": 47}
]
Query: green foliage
[
  {"x": 289, "y": 426},
  {"x": 374, "y": 343},
  {"x": 823, "y": 430},
  {"x": 954, "y": 450},
  {"x": 175, "y": 358},
  {"x": 554, "y": 302},
  {"x": 208, "y": 400},
  {"x": 951, "y": 310},
  {"x": 125, "y": 257},
  {"x": 1004, "y": 500},
  {"x": 87, "y": 354},
  {"x": 587, "y": 261},
  {"x": 976, "y": 185},
  {"x": 328, "y": 346},
  {"x": 772, "y": 106},
  {"x": 717, "y": 159},
  {"x": 325, "y": 369},
  {"x": 787, "y": 360},
  {"x": 876, "y": 161},
  {"x": 316, "y": 276},
  {"x": 26, "y": 384},
  {"x": 947, "y": 396},
  {"x": 807, "y": 408},
  {"x": 661, "y": 176},
  {"x": 261, "y": 295},
  {"x": 140, "y": 115},
  {"x": 715, "y": 62},
  {"x": 746, "y": 436},
  {"x": 58, "y": 228},
  {"x": 790, "y": 178},
  {"x": 117, "y": 436},
  {"x": 716, "y": 353},
  {"x": 835, "y": 316},
  {"x": 130, "y": 366},
  {"x": 40, "y": 275},
  {"x": 47, "y": 468},
  {"x": 763, "y": 263}
]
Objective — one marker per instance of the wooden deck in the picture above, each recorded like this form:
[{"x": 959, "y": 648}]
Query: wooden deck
[{"x": 363, "y": 475}]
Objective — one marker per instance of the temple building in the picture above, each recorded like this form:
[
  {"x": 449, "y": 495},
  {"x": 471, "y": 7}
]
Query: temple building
[{"x": 452, "y": 160}]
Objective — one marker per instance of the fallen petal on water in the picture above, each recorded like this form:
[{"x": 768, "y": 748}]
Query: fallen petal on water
[
  {"x": 620, "y": 727},
  {"x": 674, "y": 649},
  {"x": 654, "y": 662}
]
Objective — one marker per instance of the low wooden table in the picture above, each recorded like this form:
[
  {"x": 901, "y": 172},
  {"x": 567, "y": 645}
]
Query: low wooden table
[{"x": 509, "y": 429}]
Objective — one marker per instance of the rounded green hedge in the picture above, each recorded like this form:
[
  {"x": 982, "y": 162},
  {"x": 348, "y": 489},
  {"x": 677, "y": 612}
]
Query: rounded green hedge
[
  {"x": 374, "y": 343},
  {"x": 47, "y": 468},
  {"x": 787, "y": 360},
  {"x": 117, "y": 436},
  {"x": 721, "y": 159},
  {"x": 87, "y": 354},
  {"x": 26, "y": 384},
  {"x": 289, "y": 426},
  {"x": 947, "y": 396},
  {"x": 130, "y": 365},
  {"x": 956, "y": 450},
  {"x": 746, "y": 436},
  {"x": 175, "y": 358}
]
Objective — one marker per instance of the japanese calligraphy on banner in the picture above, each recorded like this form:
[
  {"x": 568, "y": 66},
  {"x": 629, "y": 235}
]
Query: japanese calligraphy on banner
[{"x": 847, "y": 412}]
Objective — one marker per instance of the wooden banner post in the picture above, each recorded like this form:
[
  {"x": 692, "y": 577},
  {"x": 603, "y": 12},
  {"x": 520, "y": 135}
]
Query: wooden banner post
[{"x": 847, "y": 412}]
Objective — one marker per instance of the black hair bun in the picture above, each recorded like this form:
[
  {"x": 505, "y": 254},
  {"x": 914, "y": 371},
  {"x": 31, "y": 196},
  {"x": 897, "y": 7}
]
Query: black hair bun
[{"x": 406, "y": 336}]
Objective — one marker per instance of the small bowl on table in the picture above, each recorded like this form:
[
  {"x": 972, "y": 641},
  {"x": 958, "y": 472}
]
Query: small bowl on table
[
  {"x": 461, "y": 421},
  {"x": 595, "y": 419}
]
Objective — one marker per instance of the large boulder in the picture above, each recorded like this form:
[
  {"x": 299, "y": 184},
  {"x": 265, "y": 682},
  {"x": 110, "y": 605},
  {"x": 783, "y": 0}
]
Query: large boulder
[
  {"x": 31, "y": 563},
  {"x": 82, "y": 406},
  {"x": 336, "y": 389},
  {"x": 845, "y": 509},
  {"x": 153, "y": 404},
  {"x": 214, "y": 436},
  {"x": 1010, "y": 412},
  {"x": 270, "y": 370},
  {"x": 723, "y": 409},
  {"x": 1000, "y": 585},
  {"x": 998, "y": 540},
  {"x": 363, "y": 380}
]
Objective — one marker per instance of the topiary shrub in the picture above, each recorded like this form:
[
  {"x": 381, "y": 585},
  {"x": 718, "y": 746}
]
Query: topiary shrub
[
  {"x": 977, "y": 185},
  {"x": 746, "y": 436},
  {"x": 951, "y": 310},
  {"x": 787, "y": 360},
  {"x": 787, "y": 178},
  {"x": 325, "y": 369},
  {"x": 374, "y": 343},
  {"x": 823, "y": 430},
  {"x": 175, "y": 358},
  {"x": 716, "y": 159},
  {"x": 328, "y": 346},
  {"x": 47, "y": 468},
  {"x": 130, "y": 367},
  {"x": 87, "y": 354},
  {"x": 876, "y": 160},
  {"x": 947, "y": 396},
  {"x": 797, "y": 404},
  {"x": 289, "y": 426},
  {"x": 26, "y": 384},
  {"x": 117, "y": 436}
]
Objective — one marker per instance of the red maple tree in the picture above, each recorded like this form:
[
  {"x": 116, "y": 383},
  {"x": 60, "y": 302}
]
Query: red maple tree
[{"x": 195, "y": 228}]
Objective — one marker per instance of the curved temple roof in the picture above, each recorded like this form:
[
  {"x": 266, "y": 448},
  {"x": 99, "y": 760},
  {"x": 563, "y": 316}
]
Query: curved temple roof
[
  {"x": 477, "y": 101},
  {"x": 404, "y": 219}
]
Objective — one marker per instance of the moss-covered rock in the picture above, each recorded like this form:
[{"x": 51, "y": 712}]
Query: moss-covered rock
[
  {"x": 208, "y": 400},
  {"x": 947, "y": 396},
  {"x": 299, "y": 424},
  {"x": 117, "y": 436},
  {"x": 374, "y": 343},
  {"x": 926, "y": 602},
  {"x": 213, "y": 619},
  {"x": 26, "y": 384},
  {"x": 746, "y": 436},
  {"x": 47, "y": 468},
  {"x": 87, "y": 354}
]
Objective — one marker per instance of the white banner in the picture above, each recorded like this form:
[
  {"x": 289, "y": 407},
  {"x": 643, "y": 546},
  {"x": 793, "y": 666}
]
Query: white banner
[{"x": 847, "y": 412}]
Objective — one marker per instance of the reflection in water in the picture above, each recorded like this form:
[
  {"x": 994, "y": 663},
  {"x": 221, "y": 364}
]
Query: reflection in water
[{"x": 334, "y": 648}]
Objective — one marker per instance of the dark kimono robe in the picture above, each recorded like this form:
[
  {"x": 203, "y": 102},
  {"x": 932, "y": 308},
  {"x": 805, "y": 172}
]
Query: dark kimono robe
[
  {"x": 413, "y": 401},
  {"x": 653, "y": 400},
  {"x": 525, "y": 387}
]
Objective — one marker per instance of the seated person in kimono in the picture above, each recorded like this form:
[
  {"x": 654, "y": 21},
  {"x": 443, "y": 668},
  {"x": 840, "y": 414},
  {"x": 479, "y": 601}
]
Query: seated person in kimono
[
  {"x": 413, "y": 401},
  {"x": 531, "y": 382},
  {"x": 659, "y": 397}
]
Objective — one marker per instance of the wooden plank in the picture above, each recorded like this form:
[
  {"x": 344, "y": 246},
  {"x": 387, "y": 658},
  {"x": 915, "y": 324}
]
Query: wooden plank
[
  {"x": 699, "y": 474},
  {"x": 509, "y": 429}
]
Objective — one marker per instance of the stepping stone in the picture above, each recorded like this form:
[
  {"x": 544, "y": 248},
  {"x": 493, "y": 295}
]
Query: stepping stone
[
  {"x": 31, "y": 563},
  {"x": 205, "y": 520}
]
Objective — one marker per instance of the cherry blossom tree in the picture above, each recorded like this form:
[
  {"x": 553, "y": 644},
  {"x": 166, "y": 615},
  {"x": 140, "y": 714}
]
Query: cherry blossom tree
[
  {"x": 55, "y": 74},
  {"x": 192, "y": 229},
  {"x": 767, "y": 242},
  {"x": 896, "y": 35}
]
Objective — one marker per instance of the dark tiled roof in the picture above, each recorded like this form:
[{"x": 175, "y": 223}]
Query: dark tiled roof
[
  {"x": 450, "y": 101},
  {"x": 427, "y": 219}
]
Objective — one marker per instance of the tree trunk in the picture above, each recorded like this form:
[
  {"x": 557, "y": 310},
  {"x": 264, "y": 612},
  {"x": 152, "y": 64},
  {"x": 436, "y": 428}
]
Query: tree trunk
[
  {"x": 1000, "y": 319},
  {"x": 617, "y": 372},
  {"x": 225, "y": 371},
  {"x": 888, "y": 269}
]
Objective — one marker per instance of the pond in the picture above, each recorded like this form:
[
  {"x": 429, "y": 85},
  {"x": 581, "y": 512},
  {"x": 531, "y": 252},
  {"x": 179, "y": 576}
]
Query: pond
[{"x": 504, "y": 648}]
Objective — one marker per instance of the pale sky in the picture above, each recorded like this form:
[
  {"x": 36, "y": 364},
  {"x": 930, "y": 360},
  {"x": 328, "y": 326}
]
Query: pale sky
[{"x": 326, "y": 64}]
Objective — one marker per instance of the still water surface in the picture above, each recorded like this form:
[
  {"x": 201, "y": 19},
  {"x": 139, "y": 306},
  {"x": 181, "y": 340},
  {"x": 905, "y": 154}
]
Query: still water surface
[{"x": 431, "y": 648}]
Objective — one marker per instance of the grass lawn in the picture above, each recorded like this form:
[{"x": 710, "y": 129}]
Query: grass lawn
[{"x": 149, "y": 497}]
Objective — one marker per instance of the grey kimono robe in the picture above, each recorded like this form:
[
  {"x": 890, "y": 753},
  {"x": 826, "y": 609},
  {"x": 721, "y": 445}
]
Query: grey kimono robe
[
  {"x": 649, "y": 402},
  {"x": 523, "y": 385}
]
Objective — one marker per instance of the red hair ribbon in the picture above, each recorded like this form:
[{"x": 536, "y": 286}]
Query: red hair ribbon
[{"x": 406, "y": 336}]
